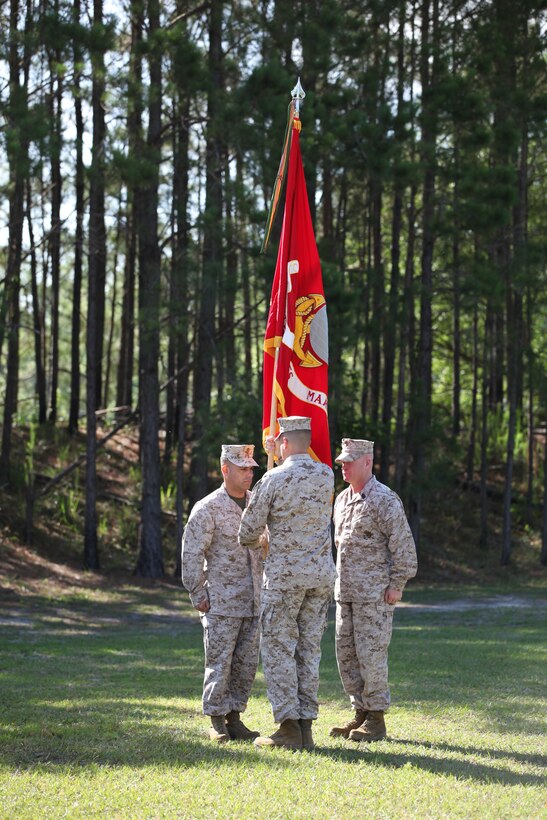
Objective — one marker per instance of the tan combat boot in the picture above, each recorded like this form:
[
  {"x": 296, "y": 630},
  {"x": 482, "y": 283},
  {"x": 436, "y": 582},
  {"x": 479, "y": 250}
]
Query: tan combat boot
[
  {"x": 237, "y": 729},
  {"x": 374, "y": 728},
  {"x": 307, "y": 737},
  {"x": 354, "y": 723},
  {"x": 289, "y": 736},
  {"x": 218, "y": 731}
]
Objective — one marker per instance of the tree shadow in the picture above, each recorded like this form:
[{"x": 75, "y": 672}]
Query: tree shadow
[{"x": 462, "y": 769}]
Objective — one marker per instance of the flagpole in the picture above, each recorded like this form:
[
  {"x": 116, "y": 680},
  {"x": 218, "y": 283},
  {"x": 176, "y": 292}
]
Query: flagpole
[{"x": 297, "y": 95}]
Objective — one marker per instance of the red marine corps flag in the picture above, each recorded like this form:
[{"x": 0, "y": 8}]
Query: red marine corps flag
[{"x": 296, "y": 339}]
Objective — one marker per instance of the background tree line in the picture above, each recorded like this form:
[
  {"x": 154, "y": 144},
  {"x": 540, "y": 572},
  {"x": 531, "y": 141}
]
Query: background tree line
[{"x": 140, "y": 142}]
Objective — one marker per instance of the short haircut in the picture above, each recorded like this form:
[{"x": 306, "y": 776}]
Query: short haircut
[{"x": 301, "y": 439}]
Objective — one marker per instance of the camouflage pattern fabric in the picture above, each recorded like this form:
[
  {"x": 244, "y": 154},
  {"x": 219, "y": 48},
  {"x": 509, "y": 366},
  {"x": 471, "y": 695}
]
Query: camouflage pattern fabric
[
  {"x": 214, "y": 565},
  {"x": 375, "y": 550},
  {"x": 295, "y": 501},
  {"x": 292, "y": 625},
  {"x": 374, "y": 543},
  {"x": 231, "y": 659},
  {"x": 363, "y": 633}
]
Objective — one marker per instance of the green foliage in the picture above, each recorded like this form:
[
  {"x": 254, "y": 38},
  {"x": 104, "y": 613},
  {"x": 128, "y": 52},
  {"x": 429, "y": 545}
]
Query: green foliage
[
  {"x": 30, "y": 449},
  {"x": 465, "y": 146},
  {"x": 168, "y": 496},
  {"x": 68, "y": 507}
]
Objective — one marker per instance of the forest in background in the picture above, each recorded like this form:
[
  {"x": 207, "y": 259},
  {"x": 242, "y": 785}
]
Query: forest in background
[{"x": 139, "y": 145}]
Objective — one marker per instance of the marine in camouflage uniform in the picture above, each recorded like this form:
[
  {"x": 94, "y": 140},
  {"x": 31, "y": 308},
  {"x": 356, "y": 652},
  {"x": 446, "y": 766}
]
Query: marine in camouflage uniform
[
  {"x": 376, "y": 556},
  {"x": 294, "y": 500},
  {"x": 223, "y": 579}
]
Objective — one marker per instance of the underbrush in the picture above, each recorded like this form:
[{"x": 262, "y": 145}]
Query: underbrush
[{"x": 449, "y": 551}]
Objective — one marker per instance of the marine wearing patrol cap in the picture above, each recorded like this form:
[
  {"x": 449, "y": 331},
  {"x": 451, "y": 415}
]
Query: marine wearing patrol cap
[
  {"x": 290, "y": 424},
  {"x": 355, "y": 448},
  {"x": 239, "y": 454}
]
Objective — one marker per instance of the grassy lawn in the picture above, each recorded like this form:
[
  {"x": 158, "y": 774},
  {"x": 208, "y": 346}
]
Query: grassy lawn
[{"x": 100, "y": 715}]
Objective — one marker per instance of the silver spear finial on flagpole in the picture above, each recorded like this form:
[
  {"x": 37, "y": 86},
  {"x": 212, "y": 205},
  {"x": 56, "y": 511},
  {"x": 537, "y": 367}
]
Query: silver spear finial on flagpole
[{"x": 298, "y": 94}]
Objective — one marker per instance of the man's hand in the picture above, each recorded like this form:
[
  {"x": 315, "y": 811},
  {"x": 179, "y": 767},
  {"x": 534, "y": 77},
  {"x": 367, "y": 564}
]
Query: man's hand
[
  {"x": 391, "y": 596},
  {"x": 269, "y": 444},
  {"x": 264, "y": 542},
  {"x": 204, "y": 606}
]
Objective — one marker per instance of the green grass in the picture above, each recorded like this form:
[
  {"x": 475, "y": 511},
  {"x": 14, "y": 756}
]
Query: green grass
[{"x": 101, "y": 716}]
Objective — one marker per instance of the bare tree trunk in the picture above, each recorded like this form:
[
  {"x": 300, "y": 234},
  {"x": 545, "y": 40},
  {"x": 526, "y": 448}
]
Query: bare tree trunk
[
  {"x": 531, "y": 420},
  {"x": 212, "y": 260},
  {"x": 56, "y": 93},
  {"x": 474, "y": 391},
  {"x": 421, "y": 405},
  {"x": 392, "y": 324},
  {"x": 232, "y": 285},
  {"x": 113, "y": 303},
  {"x": 97, "y": 199},
  {"x": 180, "y": 279},
  {"x": 74, "y": 411},
  {"x": 514, "y": 338},
  {"x": 150, "y": 562},
  {"x": 170, "y": 392},
  {"x": 486, "y": 375},
  {"x": 37, "y": 318},
  {"x": 543, "y": 557},
  {"x": 407, "y": 335},
  {"x": 17, "y": 158},
  {"x": 376, "y": 321},
  {"x": 96, "y": 264},
  {"x": 124, "y": 393}
]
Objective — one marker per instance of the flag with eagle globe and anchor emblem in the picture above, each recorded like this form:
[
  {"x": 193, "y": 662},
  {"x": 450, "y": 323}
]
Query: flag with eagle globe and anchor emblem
[{"x": 297, "y": 326}]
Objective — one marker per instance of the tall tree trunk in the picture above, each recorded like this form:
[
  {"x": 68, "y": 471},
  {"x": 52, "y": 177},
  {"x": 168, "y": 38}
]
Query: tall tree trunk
[
  {"x": 421, "y": 405},
  {"x": 391, "y": 325},
  {"x": 212, "y": 259},
  {"x": 96, "y": 266},
  {"x": 406, "y": 378},
  {"x": 456, "y": 326},
  {"x": 507, "y": 18},
  {"x": 514, "y": 334},
  {"x": 56, "y": 93},
  {"x": 180, "y": 279},
  {"x": 246, "y": 288},
  {"x": 113, "y": 303},
  {"x": 485, "y": 390},
  {"x": 543, "y": 556},
  {"x": 74, "y": 410},
  {"x": 37, "y": 317},
  {"x": 124, "y": 394},
  {"x": 150, "y": 562},
  {"x": 231, "y": 286},
  {"x": 474, "y": 390},
  {"x": 18, "y": 146},
  {"x": 376, "y": 321},
  {"x": 97, "y": 227}
]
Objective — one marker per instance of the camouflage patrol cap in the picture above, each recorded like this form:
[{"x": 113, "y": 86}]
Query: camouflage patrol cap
[
  {"x": 290, "y": 424},
  {"x": 354, "y": 448},
  {"x": 239, "y": 454}
]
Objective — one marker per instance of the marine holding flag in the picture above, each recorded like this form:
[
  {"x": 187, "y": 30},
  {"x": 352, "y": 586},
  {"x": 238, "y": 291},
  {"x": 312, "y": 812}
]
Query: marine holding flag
[
  {"x": 294, "y": 501},
  {"x": 296, "y": 339}
]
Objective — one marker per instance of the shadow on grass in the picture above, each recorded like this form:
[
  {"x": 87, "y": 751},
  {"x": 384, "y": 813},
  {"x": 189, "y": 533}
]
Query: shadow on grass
[
  {"x": 147, "y": 609},
  {"x": 498, "y": 754},
  {"x": 177, "y": 749},
  {"x": 81, "y": 677},
  {"x": 462, "y": 769}
]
